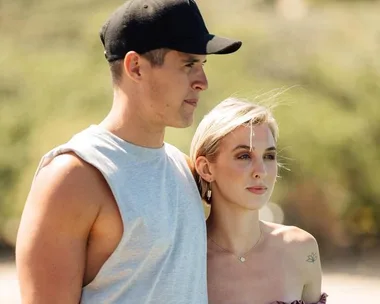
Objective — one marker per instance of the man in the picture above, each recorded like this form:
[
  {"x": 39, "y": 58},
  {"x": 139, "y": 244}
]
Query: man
[{"x": 114, "y": 216}]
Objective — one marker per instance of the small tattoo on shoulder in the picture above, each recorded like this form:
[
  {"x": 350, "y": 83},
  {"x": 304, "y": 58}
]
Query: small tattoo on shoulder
[{"x": 312, "y": 257}]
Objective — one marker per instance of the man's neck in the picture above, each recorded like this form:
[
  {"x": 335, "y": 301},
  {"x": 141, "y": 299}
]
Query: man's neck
[{"x": 129, "y": 123}]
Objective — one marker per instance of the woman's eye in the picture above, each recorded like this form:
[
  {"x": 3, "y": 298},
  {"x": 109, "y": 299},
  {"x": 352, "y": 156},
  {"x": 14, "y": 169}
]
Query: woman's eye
[
  {"x": 270, "y": 156},
  {"x": 244, "y": 156}
]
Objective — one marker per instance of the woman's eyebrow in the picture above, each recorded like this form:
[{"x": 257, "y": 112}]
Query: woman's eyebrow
[{"x": 245, "y": 147}]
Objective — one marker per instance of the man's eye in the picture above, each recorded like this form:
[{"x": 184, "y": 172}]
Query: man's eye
[{"x": 190, "y": 65}]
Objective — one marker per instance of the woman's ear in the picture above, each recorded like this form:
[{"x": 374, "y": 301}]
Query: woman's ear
[{"x": 203, "y": 168}]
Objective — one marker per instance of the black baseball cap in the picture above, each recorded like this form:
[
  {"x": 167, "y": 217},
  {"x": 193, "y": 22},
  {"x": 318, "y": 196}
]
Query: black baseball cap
[{"x": 145, "y": 25}]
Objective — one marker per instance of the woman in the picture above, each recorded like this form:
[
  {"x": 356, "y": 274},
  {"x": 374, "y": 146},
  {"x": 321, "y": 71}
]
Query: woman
[{"x": 249, "y": 261}]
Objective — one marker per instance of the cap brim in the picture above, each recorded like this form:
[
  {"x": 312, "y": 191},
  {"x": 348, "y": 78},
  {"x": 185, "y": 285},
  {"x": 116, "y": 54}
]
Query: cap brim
[
  {"x": 208, "y": 44},
  {"x": 221, "y": 45}
]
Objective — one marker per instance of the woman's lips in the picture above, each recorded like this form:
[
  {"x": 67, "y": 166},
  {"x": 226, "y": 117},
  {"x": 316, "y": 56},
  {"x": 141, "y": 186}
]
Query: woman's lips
[{"x": 257, "y": 189}]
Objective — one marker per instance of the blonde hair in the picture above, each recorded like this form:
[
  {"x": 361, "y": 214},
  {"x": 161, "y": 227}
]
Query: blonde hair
[{"x": 222, "y": 120}]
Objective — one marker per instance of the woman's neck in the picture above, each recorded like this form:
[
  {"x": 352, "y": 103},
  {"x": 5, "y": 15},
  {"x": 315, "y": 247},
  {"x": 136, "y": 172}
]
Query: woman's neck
[{"x": 234, "y": 229}]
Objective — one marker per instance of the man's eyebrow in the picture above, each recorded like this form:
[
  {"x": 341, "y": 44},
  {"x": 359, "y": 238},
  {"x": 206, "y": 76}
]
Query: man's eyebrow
[
  {"x": 245, "y": 147},
  {"x": 192, "y": 59}
]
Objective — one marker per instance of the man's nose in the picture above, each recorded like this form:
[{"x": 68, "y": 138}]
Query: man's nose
[{"x": 200, "y": 83}]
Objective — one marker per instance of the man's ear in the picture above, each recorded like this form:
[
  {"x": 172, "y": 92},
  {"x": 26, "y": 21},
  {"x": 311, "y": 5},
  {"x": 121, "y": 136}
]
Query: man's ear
[
  {"x": 132, "y": 65},
  {"x": 203, "y": 168}
]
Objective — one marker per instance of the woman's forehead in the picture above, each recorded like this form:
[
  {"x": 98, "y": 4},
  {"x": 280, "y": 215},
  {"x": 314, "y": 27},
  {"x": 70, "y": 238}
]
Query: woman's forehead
[{"x": 259, "y": 135}]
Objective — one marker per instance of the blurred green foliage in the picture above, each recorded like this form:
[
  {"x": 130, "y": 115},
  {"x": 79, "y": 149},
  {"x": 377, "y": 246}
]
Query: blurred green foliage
[{"x": 321, "y": 66}]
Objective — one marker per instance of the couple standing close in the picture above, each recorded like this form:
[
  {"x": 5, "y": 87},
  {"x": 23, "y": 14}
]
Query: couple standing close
[{"x": 115, "y": 214}]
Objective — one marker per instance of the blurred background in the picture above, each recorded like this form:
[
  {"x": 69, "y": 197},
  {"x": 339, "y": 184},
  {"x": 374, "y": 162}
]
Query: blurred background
[{"x": 317, "y": 59}]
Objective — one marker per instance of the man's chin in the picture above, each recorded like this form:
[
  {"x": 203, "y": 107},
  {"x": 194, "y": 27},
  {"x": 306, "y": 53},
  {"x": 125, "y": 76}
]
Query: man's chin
[{"x": 182, "y": 124}]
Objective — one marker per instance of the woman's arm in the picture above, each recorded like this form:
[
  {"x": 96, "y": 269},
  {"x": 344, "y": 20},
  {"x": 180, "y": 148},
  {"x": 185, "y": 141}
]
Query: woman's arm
[{"x": 313, "y": 272}]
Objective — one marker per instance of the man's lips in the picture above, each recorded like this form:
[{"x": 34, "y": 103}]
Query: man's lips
[
  {"x": 193, "y": 102},
  {"x": 257, "y": 189}
]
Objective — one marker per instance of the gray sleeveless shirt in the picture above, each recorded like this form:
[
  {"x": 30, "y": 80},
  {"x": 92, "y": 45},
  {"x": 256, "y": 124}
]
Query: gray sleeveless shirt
[{"x": 161, "y": 257}]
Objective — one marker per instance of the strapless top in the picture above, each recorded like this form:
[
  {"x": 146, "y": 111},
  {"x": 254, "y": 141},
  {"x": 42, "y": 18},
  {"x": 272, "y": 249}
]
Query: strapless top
[{"x": 322, "y": 300}]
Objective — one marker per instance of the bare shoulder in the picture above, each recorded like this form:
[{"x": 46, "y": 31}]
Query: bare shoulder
[
  {"x": 291, "y": 235},
  {"x": 68, "y": 175},
  {"x": 67, "y": 194},
  {"x": 300, "y": 244},
  {"x": 61, "y": 208},
  {"x": 300, "y": 249},
  {"x": 67, "y": 163}
]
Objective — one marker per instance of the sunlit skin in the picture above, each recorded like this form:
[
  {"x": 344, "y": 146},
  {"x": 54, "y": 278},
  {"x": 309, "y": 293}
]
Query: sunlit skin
[
  {"x": 149, "y": 98},
  {"x": 71, "y": 198},
  {"x": 242, "y": 177}
]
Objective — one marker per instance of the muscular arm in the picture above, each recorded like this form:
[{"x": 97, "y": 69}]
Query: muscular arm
[{"x": 51, "y": 243}]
